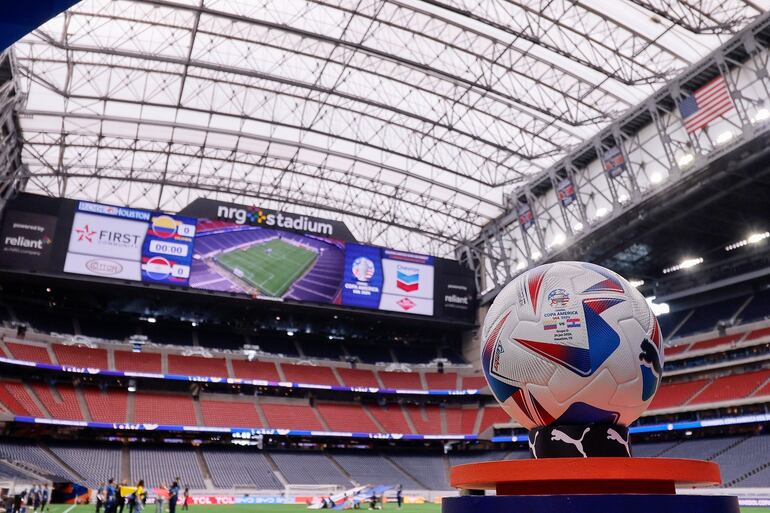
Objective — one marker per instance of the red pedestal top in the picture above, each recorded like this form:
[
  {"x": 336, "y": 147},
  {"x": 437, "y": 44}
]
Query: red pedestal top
[{"x": 585, "y": 475}]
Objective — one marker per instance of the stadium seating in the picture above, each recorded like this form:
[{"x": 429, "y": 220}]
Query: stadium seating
[
  {"x": 29, "y": 352},
  {"x": 240, "y": 469},
  {"x": 403, "y": 380},
  {"x": 235, "y": 413},
  {"x": 17, "y": 400},
  {"x": 245, "y": 369},
  {"x": 197, "y": 366},
  {"x": 445, "y": 381},
  {"x": 676, "y": 394},
  {"x": 425, "y": 419},
  {"x": 157, "y": 465},
  {"x": 493, "y": 415},
  {"x": 357, "y": 377},
  {"x": 106, "y": 406},
  {"x": 715, "y": 342},
  {"x": 95, "y": 465},
  {"x": 429, "y": 470},
  {"x": 367, "y": 468},
  {"x": 80, "y": 356},
  {"x": 474, "y": 382},
  {"x": 742, "y": 458},
  {"x": 391, "y": 418},
  {"x": 732, "y": 387},
  {"x": 309, "y": 374},
  {"x": 290, "y": 416},
  {"x": 37, "y": 459},
  {"x": 309, "y": 468},
  {"x": 138, "y": 362},
  {"x": 60, "y": 401},
  {"x": 157, "y": 408},
  {"x": 346, "y": 417}
]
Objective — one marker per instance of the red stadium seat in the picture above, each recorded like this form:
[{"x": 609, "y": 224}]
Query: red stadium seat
[
  {"x": 445, "y": 381},
  {"x": 81, "y": 356},
  {"x": 454, "y": 420},
  {"x": 474, "y": 382},
  {"x": 28, "y": 352},
  {"x": 245, "y": 369},
  {"x": 138, "y": 362},
  {"x": 391, "y": 418},
  {"x": 346, "y": 417},
  {"x": 676, "y": 394},
  {"x": 164, "y": 409},
  {"x": 468, "y": 421},
  {"x": 755, "y": 334},
  {"x": 291, "y": 416},
  {"x": 736, "y": 386},
  {"x": 17, "y": 400},
  {"x": 60, "y": 401},
  {"x": 197, "y": 366},
  {"x": 407, "y": 380},
  {"x": 106, "y": 405},
  {"x": 230, "y": 413},
  {"x": 672, "y": 350},
  {"x": 357, "y": 377},
  {"x": 309, "y": 374},
  {"x": 426, "y": 419},
  {"x": 715, "y": 342},
  {"x": 493, "y": 415}
]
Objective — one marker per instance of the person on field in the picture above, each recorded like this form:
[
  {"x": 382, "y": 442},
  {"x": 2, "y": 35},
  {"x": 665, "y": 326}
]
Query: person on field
[
  {"x": 173, "y": 497},
  {"x": 160, "y": 496},
  {"x": 109, "y": 496},
  {"x": 399, "y": 496},
  {"x": 100, "y": 497},
  {"x": 185, "y": 504},
  {"x": 44, "y": 498}
]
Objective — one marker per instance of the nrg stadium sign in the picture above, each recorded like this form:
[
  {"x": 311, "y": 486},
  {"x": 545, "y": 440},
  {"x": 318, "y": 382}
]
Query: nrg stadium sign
[{"x": 255, "y": 216}]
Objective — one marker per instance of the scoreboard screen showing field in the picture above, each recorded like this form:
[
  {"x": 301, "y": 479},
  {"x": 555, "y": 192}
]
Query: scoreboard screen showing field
[
  {"x": 266, "y": 263},
  {"x": 244, "y": 255}
]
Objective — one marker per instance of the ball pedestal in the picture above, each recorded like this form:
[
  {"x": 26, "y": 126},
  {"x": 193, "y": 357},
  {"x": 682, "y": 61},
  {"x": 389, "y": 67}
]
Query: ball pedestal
[{"x": 583, "y": 485}]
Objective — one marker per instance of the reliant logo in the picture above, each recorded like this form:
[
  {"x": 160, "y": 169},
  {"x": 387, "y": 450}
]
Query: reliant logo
[
  {"x": 457, "y": 300},
  {"x": 254, "y": 215},
  {"x": 23, "y": 242}
]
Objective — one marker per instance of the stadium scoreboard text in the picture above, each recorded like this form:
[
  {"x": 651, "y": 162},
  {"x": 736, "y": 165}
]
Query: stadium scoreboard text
[{"x": 230, "y": 248}]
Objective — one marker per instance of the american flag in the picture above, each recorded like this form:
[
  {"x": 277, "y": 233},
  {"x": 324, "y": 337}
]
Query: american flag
[{"x": 705, "y": 105}]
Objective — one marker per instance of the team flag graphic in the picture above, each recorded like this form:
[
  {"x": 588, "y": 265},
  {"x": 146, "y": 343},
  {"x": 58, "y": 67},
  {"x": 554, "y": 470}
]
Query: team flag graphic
[{"x": 705, "y": 105}]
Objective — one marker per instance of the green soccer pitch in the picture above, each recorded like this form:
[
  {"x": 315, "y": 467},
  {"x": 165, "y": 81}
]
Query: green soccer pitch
[
  {"x": 286, "y": 508},
  {"x": 271, "y": 266}
]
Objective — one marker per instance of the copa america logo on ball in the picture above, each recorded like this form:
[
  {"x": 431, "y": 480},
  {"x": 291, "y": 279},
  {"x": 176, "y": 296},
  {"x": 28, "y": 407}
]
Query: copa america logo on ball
[{"x": 363, "y": 269}]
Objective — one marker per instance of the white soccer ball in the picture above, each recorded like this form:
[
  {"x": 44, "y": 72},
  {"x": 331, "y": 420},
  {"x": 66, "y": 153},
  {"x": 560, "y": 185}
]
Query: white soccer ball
[{"x": 571, "y": 343}]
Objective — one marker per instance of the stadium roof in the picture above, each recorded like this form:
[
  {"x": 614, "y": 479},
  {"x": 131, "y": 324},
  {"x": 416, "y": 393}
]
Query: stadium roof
[{"x": 406, "y": 119}]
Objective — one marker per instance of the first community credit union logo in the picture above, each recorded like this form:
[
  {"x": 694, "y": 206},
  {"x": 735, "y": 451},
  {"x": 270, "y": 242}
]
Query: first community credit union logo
[{"x": 85, "y": 234}]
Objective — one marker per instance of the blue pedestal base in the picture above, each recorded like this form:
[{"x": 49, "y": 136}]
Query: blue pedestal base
[{"x": 591, "y": 504}]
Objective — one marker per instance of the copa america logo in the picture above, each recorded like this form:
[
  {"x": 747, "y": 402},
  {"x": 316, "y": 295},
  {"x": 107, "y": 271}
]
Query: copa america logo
[{"x": 363, "y": 269}]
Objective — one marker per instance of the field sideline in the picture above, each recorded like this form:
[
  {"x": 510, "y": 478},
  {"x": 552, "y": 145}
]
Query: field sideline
[{"x": 286, "y": 508}]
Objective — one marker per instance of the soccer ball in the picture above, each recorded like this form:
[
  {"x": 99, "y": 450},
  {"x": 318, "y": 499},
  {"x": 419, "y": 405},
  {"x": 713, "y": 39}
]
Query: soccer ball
[{"x": 571, "y": 343}]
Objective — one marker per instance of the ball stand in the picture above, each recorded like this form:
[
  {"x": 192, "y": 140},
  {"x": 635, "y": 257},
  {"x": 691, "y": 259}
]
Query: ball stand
[{"x": 583, "y": 485}]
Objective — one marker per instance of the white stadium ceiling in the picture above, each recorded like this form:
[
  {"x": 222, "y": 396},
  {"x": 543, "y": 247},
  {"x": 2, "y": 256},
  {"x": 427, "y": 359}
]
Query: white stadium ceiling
[{"x": 406, "y": 119}]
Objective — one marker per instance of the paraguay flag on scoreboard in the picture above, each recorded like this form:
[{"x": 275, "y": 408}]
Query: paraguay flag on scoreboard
[{"x": 706, "y": 104}]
